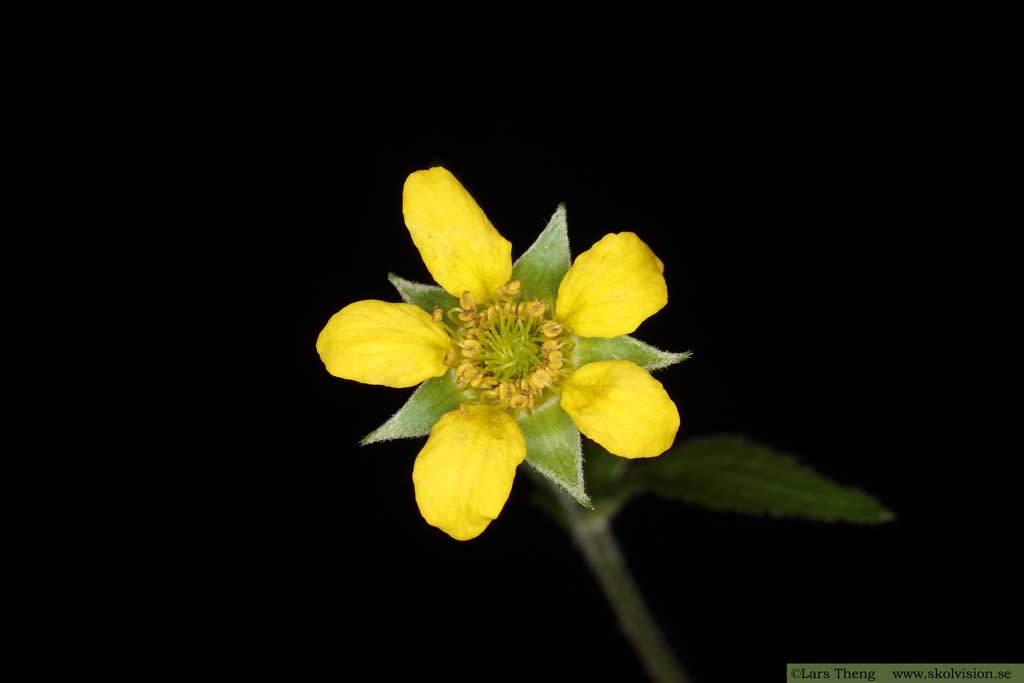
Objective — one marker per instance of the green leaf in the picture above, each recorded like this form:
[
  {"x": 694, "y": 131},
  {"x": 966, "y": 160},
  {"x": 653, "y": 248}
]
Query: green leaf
[
  {"x": 544, "y": 264},
  {"x": 590, "y": 349},
  {"x": 604, "y": 471},
  {"x": 424, "y": 296},
  {"x": 730, "y": 473},
  {"x": 607, "y": 479},
  {"x": 428, "y": 403},
  {"x": 544, "y": 498},
  {"x": 553, "y": 448}
]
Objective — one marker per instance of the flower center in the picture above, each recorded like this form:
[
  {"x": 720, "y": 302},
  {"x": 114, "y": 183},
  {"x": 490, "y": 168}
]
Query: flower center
[{"x": 509, "y": 353}]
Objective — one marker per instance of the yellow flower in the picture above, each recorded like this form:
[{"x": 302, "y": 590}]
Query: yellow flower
[{"x": 521, "y": 363}]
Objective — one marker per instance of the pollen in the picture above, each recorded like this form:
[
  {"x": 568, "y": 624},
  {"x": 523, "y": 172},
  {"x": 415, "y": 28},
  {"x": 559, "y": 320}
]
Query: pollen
[
  {"x": 509, "y": 289},
  {"x": 541, "y": 379},
  {"x": 510, "y": 353},
  {"x": 470, "y": 347},
  {"x": 535, "y": 309},
  {"x": 551, "y": 329}
]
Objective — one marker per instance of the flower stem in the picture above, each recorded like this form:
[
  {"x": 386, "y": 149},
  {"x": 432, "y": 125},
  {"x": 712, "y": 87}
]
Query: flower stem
[{"x": 594, "y": 538}]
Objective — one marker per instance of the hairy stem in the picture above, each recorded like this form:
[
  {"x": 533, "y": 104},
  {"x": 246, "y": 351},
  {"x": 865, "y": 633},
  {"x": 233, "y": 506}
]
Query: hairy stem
[{"x": 594, "y": 538}]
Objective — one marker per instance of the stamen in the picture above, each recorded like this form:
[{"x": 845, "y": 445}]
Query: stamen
[
  {"x": 541, "y": 379},
  {"x": 470, "y": 347},
  {"x": 466, "y": 372},
  {"x": 551, "y": 329},
  {"x": 535, "y": 308},
  {"x": 511, "y": 288},
  {"x": 508, "y": 353},
  {"x": 438, "y": 314},
  {"x": 549, "y": 346}
]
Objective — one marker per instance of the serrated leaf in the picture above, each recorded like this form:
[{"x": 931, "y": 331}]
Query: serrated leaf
[
  {"x": 424, "y": 296},
  {"x": 553, "y": 448},
  {"x": 591, "y": 349},
  {"x": 428, "y": 403},
  {"x": 730, "y": 473},
  {"x": 544, "y": 264}
]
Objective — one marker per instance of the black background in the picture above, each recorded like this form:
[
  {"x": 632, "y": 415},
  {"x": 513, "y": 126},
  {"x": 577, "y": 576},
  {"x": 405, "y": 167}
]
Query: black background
[{"x": 799, "y": 224}]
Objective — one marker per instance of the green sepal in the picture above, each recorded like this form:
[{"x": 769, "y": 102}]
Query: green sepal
[
  {"x": 428, "y": 403},
  {"x": 591, "y": 349},
  {"x": 544, "y": 264},
  {"x": 730, "y": 473},
  {"x": 424, "y": 296},
  {"x": 553, "y": 448}
]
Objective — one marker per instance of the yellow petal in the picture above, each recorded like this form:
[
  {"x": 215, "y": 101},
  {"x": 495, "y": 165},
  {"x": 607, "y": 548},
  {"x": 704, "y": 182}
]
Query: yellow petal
[
  {"x": 464, "y": 473},
  {"x": 374, "y": 342},
  {"x": 461, "y": 248},
  {"x": 619, "y": 405},
  {"x": 612, "y": 287}
]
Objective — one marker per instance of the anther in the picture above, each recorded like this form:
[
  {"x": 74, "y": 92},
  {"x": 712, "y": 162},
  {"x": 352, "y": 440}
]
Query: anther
[
  {"x": 511, "y": 288},
  {"x": 549, "y": 346},
  {"x": 541, "y": 379},
  {"x": 535, "y": 308},
  {"x": 508, "y": 352},
  {"x": 463, "y": 410},
  {"x": 438, "y": 314},
  {"x": 470, "y": 347},
  {"x": 466, "y": 372},
  {"x": 551, "y": 329}
]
